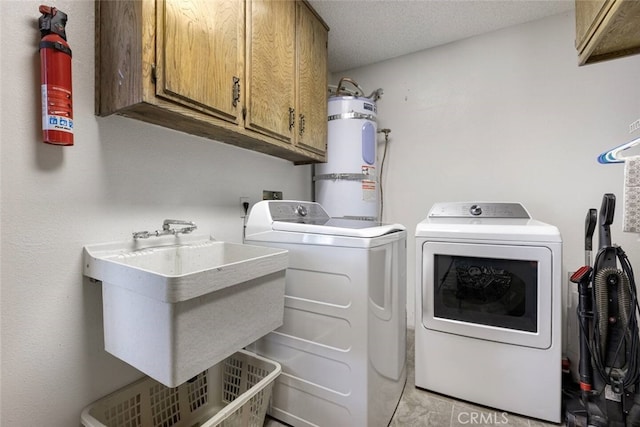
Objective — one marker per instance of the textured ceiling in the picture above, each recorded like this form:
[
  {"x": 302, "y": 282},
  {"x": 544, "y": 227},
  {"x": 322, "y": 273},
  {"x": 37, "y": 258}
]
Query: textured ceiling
[{"x": 363, "y": 32}]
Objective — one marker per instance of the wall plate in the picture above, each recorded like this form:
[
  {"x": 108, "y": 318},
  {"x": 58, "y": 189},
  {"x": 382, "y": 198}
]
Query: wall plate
[{"x": 271, "y": 195}]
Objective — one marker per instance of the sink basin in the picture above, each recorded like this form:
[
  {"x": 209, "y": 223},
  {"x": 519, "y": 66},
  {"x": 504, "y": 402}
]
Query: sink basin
[
  {"x": 174, "y": 306},
  {"x": 182, "y": 268}
]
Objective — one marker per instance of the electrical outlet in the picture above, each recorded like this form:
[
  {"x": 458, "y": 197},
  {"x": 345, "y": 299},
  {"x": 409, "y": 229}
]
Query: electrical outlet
[
  {"x": 271, "y": 195},
  {"x": 634, "y": 126}
]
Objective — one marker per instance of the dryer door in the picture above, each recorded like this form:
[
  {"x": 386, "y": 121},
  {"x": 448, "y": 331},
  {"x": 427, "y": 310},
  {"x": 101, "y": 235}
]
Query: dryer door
[{"x": 492, "y": 292}]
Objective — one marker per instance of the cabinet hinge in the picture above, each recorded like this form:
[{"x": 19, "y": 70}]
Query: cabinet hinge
[{"x": 154, "y": 76}]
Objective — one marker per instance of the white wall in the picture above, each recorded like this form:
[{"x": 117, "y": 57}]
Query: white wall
[
  {"x": 121, "y": 176},
  {"x": 507, "y": 116}
]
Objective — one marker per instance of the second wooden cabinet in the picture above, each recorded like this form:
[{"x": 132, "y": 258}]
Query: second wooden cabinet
[
  {"x": 287, "y": 73},
  {"x": 271, "y": 27},
  {"x": 311, "y": 123},
  {"x": 253, "y": 74}
]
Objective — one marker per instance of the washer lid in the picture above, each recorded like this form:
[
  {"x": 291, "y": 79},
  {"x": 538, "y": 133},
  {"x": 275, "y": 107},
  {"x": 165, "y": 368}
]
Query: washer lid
[
  {"x": 311, "y": 218},
  {"x": 338, "y": 227}
]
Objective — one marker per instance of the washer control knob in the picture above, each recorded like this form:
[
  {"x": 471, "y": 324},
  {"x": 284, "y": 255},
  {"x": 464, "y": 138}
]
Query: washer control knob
[
  {"x": 301, "y": 210},
  {"x": 475, "y": 210}
]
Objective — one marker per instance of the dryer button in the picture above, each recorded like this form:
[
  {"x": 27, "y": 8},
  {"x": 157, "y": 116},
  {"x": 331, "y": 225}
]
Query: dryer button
[{"x": 475, "y": 210}]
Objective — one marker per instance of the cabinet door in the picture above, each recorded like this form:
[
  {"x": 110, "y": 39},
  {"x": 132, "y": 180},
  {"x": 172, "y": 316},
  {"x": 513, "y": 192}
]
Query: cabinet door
[
  {"x": 199, "y": 54},
  {"x": 311, "y": 40},
  {"x": 270, "y": 67}
]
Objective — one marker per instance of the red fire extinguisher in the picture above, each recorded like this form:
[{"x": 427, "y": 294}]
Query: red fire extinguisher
[{"x": 55, "y": 78}]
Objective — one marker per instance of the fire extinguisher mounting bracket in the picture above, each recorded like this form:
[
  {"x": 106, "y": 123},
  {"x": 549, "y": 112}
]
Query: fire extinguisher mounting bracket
[
  {"x": 52, "y": 21},
  {"x": 55, "y": 45}
]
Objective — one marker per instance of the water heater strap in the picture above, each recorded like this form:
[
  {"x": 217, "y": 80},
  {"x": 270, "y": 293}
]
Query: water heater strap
[
  {"x": 344, "y": 176},
  {"x": 352, "y": 115}
]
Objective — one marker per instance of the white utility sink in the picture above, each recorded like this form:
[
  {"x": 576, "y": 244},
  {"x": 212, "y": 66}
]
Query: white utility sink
[{"x": 174, "y": 306}]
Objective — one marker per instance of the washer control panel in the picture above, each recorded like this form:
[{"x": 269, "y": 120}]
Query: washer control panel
[
  {"x": 478, "y": 210},
  {"x": 295, "y": 211}
]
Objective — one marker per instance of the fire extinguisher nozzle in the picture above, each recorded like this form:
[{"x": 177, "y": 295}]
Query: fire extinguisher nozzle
[{"x": 52, "y": 21}]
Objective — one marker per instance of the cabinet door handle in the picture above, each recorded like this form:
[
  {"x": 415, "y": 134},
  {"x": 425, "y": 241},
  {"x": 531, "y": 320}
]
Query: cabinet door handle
[
  {"x": 292, "y": 118},
  {"x": 236, "y": 91},
  {"x": 301, "y": 124},
  {"x": 154, "y": 76}
]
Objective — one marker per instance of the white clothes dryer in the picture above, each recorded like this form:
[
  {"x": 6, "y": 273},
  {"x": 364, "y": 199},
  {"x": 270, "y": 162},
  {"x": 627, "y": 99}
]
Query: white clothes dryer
[
  {"x": 488, "y": 307},
  {"x": 342, "y": 346}
]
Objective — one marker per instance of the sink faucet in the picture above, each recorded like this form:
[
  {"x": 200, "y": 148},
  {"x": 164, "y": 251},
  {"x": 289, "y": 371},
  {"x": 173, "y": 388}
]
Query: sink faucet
[{"x": 188, "y": 227}]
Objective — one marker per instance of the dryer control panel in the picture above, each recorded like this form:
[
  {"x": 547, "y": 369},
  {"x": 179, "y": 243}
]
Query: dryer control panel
[{"x": 478, "y": 210}]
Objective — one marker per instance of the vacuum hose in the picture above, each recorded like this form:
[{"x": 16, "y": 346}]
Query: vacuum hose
[
  {"x": 624, "y": 301},
  {"x": 604, "y": 279},
  {"x": 600, "y": 286}
]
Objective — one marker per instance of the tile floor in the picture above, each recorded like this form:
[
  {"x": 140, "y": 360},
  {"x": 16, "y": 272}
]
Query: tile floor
[{"x": 420, "y": 408}]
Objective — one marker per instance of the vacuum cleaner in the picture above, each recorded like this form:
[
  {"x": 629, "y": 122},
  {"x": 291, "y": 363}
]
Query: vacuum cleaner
[{"x": 609, "y": 367}]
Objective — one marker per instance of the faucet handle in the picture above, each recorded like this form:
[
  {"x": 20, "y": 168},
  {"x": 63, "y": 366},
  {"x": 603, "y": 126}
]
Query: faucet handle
[
  {"x": 189, "y": 226},
  {"x": 141, "y": 234}
]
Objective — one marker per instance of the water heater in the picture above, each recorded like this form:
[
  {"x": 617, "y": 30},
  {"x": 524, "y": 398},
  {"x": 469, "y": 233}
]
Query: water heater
[{"x": 347, "y": 185}]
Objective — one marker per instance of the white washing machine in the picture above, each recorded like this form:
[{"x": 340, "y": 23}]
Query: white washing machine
[
  {"x": 342, "y": 346},
  {"x": 488, "y": 307}
]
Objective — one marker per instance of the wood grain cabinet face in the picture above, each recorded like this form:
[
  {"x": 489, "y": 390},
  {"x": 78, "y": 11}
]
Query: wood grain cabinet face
[
  {"x": 199, "y": 55},
  {"x": 607, "y": 29},
  {"x": 225, "y": 70},
  {"x": 271, "y": 67},
  {"x": 311, "y": 108},
  {"x": 287, "y": 73}
]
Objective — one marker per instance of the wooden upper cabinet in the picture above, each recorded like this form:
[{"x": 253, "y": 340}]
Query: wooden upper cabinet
[
  {"x": 607, "y": 29},
  {"x": 311, "y": 106},
  {"x": 122, "y": 63},
  {"x": 220, "y": 69},
  {"x": 271, "y": 67},
  {"x": 200, "y": 54}
]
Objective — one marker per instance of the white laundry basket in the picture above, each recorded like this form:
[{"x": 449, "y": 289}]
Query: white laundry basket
[{"x": 235, "y": 392}]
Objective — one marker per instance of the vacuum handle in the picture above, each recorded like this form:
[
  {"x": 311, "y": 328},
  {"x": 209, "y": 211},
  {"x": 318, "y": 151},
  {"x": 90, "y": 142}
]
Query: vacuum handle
[
  {"x": 607, "y": 211},
  {"x": 590, "y": 223},
  {"x": 589, "y": 227}
]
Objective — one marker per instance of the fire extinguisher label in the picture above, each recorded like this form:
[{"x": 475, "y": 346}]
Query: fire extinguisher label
[{"x": 56, "y": 111}]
